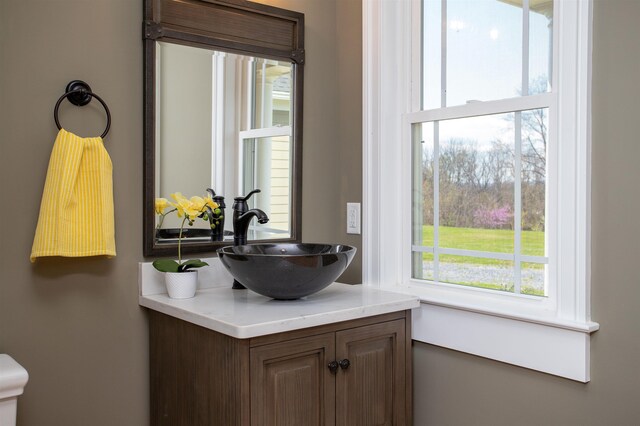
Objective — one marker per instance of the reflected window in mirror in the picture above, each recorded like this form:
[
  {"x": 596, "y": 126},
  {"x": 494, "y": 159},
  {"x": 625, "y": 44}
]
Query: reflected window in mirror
[{"x": 266, "y": 164}]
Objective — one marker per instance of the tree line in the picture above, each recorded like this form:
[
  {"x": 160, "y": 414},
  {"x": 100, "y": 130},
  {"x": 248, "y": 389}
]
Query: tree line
[{"x": 477, "y": 186}]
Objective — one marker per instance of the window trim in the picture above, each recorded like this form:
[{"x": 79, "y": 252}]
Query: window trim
[{"x": 464, "y": 319}]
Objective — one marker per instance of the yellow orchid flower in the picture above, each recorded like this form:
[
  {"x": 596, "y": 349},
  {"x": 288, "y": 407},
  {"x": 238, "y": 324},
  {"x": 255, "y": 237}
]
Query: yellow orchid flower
[
  {"x": 197, "y": 203},
  {"x": 188, "y": 209},
  {"x": 183, "y": 207},
  {"x": 161, "y": 204},
  {"x": 178, "y": 196},
  {"x": 209, "y": 202},
  {"x": 181, "y": 203},
  {"x": 192, "y": 212}
]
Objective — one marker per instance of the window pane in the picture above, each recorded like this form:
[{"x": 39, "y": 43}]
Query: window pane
[
  {"x": 423, "y": 199},
  {"x": 271, "y": 93},
  {"x": 483, "y": 50},
  {"x": 533, "y": 180},
  {"x": 422, "y": 264},
  {"x": 540, "y": 41},
  {"x": 266, "y": 165},
  {"x": 476, "y": 183},
  {"x": 431, "y": 54},
  {"x": 477, "y": 272},
  {"x": 423, "y": 184},
  {"x": 532, "y": 279}
]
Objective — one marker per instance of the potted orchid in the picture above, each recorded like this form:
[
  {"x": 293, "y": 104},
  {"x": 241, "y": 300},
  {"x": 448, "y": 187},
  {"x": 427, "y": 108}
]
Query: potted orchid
[{"x": 181, "y": 278}]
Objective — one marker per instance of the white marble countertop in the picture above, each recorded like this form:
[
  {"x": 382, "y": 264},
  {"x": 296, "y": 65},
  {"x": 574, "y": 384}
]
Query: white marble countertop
[{"x": 243, "y": 314}]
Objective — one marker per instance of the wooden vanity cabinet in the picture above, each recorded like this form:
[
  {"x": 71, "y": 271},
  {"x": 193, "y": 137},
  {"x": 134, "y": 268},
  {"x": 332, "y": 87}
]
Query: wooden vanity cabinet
[
  {"x": 350, "y": 373},
  {"x": 291, "y": 384}
]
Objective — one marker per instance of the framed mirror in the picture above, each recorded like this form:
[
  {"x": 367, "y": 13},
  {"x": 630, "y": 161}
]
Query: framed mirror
[{"x": 223, "y": 111}]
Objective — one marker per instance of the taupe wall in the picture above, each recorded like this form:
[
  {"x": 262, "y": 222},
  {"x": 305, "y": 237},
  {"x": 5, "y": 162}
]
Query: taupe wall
[
  {"x": 75, "y": 324},
  {"x": 451, "y": 388}
]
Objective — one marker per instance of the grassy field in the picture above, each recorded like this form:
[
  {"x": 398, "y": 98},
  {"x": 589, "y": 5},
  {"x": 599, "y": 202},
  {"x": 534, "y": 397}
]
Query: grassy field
[{"x": 492, "y": 240}]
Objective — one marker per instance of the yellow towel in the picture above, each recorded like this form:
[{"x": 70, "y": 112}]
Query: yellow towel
[{"x": 76, "y": 213}]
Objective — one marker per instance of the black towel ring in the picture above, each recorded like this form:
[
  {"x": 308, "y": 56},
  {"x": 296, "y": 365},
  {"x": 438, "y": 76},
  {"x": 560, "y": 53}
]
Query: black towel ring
[{"x": 79, "y": 93}]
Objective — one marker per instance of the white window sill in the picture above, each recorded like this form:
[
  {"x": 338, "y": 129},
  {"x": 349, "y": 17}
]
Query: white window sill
[{"x": 526, "y": 338}]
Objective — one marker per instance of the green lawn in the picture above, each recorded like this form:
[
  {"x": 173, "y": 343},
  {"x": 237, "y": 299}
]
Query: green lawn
[
  {"x": 492, "y": 240},
  {"x": 488, "y": 240}
]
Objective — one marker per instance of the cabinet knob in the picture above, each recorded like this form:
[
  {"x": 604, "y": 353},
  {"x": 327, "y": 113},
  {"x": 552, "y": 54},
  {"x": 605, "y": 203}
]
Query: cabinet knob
[
  {"x": 333, "y": 367},
  {"x": 344, "y": 364}
]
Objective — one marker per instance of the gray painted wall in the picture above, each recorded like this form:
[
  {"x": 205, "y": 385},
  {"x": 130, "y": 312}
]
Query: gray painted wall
[{"x": 76, "y": 325}]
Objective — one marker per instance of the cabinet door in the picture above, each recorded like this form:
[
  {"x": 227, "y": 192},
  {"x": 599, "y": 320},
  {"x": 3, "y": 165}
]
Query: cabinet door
[
  {"x": 370, "y": 391},
  {"x": 291, "y": 384}
]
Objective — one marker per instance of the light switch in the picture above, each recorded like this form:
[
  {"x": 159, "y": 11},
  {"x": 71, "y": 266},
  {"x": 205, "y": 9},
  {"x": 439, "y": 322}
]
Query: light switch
[{"x": 353, "y": 218}]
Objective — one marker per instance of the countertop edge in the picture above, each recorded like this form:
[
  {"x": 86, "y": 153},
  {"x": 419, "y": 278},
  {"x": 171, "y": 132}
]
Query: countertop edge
[{"x": 281, "y": 325}]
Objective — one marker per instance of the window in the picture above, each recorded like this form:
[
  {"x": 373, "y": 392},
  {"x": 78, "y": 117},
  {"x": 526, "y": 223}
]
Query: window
[
  {"x": 479, "y": 170},
  {"x": 265, "y": 147},
  {"x": 478, "y": 111},
  {"x": 266, "y": 164}
]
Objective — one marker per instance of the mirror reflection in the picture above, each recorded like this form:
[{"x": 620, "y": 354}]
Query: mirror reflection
[{"x": 223, "y": 121}]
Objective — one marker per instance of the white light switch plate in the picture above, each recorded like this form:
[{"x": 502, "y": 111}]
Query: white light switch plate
[{"x": 353, "y": 218}]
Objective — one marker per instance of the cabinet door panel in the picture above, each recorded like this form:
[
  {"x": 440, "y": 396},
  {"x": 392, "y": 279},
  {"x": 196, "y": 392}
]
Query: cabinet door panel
[
  {"x": 291, "y": 384},
  {"x": 371, "y": 390}
]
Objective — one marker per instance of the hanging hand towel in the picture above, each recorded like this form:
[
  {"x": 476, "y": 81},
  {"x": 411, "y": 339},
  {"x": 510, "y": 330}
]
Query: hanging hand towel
[{"x": 76, "y": 212}]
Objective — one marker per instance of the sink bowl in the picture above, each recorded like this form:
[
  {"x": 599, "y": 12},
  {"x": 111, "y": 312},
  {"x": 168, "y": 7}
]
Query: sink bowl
[{"x": 286, "y": 271}]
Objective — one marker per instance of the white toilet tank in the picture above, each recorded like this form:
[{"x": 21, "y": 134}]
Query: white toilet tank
[{"x": 13, "y": 377}]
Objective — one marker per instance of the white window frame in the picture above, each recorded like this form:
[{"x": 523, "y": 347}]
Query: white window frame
[
  {"x": 257, "y": 134},
  {"x": 547, "y": 334},
  {"x": 261, "y": 133}
]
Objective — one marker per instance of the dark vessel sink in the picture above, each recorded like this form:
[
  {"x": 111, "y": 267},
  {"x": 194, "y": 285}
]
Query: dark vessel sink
[{"x": 286, "y": 271}]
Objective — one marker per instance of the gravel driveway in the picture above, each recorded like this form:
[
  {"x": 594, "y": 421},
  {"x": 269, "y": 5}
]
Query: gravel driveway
[{"x": 467, "y": 274}]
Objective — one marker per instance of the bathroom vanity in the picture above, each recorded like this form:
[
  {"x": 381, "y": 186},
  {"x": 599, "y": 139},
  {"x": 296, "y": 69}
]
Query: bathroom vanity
[{"x": 232, "y": 357}]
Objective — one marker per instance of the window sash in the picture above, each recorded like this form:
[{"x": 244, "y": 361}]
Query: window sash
[
  {"x": 418, "y": 50},
  {"x": 473, "y": 109},
  {"x": 512, "y": 105},
  {"x": 432, "y": 290}
]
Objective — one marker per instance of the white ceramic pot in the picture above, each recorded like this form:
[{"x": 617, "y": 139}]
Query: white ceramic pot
[{"x": 181, "y": 285}]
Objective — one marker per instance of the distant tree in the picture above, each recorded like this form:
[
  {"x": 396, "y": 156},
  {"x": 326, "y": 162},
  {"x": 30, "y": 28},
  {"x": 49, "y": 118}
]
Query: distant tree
[{"x": 493, "y": 218}]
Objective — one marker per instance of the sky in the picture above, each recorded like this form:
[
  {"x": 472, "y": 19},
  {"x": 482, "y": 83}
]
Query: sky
[{"x": 483, "y": 60}]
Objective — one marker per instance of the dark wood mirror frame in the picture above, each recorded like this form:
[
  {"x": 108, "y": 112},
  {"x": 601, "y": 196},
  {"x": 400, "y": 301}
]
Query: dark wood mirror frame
[{"x": 236, "y": 26}]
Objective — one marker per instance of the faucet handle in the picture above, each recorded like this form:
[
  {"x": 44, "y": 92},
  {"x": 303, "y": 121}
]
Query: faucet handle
[
  {"x": 219, "y": 199},
  {"x": 246, "y": 197}
]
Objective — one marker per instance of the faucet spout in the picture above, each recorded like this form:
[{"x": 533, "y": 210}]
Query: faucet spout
[
  {"x": 241, "y": 223},
  {"x": 259, "y": 214}
]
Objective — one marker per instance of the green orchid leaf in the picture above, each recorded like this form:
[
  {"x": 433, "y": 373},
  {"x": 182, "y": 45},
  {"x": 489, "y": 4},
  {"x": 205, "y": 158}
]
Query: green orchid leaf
[
  {"x": 191, "y": 264},
  {"x": 166, "y": 265}
]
